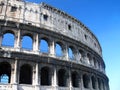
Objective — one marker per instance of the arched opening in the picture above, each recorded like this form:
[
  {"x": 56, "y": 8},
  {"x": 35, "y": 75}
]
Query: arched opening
[
  {"x": 25, "y": 74},
  {"x": 62, "y": 78},
  {"x": 93, "y": 82},
  {"x": 75, "y": 79},
  {"x": 44, "y": 47},
  {"x": 27, "y": 42},
  {"x": 86, "y": 81},
  {"x": 8, "y": 40},
  {"x": 5, "y": 72},
  {"x": 45, "y": 76},
  {"x": 70, "y": 53},
  {"x": 58, "y": 50}
]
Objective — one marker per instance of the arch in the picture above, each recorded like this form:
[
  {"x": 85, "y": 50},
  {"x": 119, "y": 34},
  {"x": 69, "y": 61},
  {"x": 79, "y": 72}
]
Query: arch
[
  {"x": 75, "y": 79},
  {"x": 25, "y": 74},
  {"x": 62, "y": 78},
  {"x": 93, "y": 82},
  {"x": 58, "y": 49},
  {"x": 44, "y": 46},
  {"x": 5, "y": 72},
  {"x": 86, "y": 81},
  {"x": 8, "y": 39},
  {"x": 70, "y": 52},
  {"x": 27, "y": 42},
  {"x": 45, "y": 76}
]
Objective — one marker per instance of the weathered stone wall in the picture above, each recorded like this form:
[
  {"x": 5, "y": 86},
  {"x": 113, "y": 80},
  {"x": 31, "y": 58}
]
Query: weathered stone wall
[
  {"x": 45, "y": 70},
  {"x": 56, "y": 20}
]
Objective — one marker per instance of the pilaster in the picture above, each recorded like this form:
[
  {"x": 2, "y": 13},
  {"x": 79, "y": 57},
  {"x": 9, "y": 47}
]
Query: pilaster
[
  {"x": 37, "y": 84},
  {"x": 52, "y": 48},
  {"x": 66, "y": 52},
  {"x": 15, "y": 73},
  {"x": 36, "y": 43},
  {"x": 18, "y": 40}
]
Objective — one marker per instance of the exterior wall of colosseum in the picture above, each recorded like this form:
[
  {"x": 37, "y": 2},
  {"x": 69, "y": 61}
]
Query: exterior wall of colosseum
[{"x": 37, "y": 68}]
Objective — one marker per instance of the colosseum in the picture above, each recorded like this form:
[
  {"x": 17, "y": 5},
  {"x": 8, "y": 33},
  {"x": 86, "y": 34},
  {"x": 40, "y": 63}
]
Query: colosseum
[{"x": 44, "y": 48}]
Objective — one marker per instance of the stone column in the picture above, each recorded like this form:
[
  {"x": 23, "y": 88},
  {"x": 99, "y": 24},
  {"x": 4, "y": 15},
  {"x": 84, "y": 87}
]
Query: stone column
[
  {"x": 15, "y": 73},
  {"x": 85, "y": 59},
  {"x": 77, "y": 56},
  {"x": 82, "y": 86},
  {"x": 90, "y": 84},
  {"x": 37, "y": 84},
  {"x": 54, "y": 82},
  {"x": 70, "y": 81},
  {"x": 36, "y": 43},
  {"x": 66, "y": 52},
  {"x": 97, "y": 87},
  {"x": 52, "y": 48},
  {"x": 18, "y": 41}
]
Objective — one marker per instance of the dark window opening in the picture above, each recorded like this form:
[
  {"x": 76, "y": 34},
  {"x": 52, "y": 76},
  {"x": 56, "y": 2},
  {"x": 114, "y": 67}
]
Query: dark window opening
[
  {"x": 86, "y": 81},
  {"x": 85, "y": 37},
  {"x": 5, "y": 72},
  {"x": 69, "y": 27},
  {"x": 62, "y": 79},
  {"x": 8, "y": 37},
  {"x": 2, "y": 3},
  {"x": 75, "y": 81},
  {"x": 13, "y": 8},
  {"x": 45, "y": 16},
  {"x": 45, "y": 76},
  {"x": 95, "y": 44},
  {"x": 44, "y": 47},
  {"x": 25, "y": 74}
]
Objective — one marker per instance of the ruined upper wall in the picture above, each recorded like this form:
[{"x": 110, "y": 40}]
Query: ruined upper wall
[{"x": 46, "y": 16}]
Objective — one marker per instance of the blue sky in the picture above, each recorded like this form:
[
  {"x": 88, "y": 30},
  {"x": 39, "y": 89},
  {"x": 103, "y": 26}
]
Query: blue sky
[{"x": 102, "y": 17}]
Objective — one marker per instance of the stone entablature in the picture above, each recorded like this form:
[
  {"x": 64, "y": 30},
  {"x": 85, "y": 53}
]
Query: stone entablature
[{"x": 46, "y": 16}]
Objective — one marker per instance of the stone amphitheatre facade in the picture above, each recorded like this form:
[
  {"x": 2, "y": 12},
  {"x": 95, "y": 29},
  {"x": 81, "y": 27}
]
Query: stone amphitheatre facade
[{"x": 71, "y": 58}]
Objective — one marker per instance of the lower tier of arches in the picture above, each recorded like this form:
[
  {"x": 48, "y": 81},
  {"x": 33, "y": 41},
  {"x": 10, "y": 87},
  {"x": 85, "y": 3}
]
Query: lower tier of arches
[{"x": 24, "y": 72}]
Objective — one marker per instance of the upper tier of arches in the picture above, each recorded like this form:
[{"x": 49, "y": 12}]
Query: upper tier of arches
[{"x": 48, "y": 17}]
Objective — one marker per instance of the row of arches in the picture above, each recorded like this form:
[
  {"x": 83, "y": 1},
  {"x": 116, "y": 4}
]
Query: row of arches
[
  {"x": 27, "y": 43},
  {"x": 46, "y": 76},
  {"x": 59, "y": 49}
]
